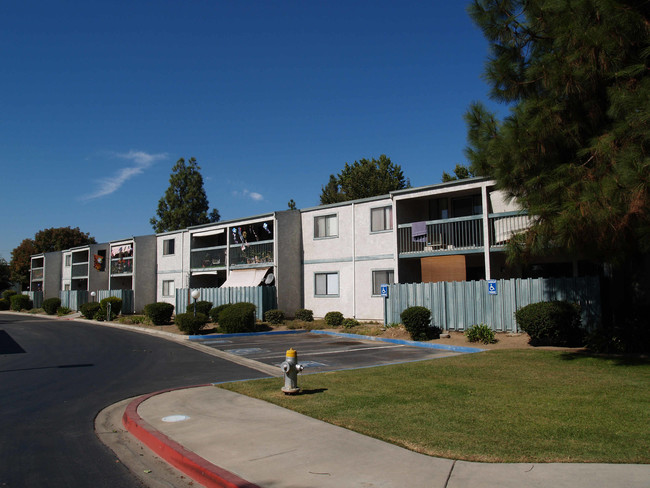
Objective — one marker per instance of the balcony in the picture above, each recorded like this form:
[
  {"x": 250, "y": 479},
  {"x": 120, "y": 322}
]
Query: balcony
[
  {"x": 37, "y": 274},
  {"x": 121, "y": 266},
  {"x": 459, "y": 235},
  {"x": 79, "y": 270},
  {"x": 208, "y": 258},
  {"x": 251, "y": 254}
]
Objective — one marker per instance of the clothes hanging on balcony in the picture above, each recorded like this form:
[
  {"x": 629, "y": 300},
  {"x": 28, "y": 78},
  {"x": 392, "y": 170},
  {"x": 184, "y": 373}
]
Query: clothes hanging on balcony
[{"x": 419, "y": 232}]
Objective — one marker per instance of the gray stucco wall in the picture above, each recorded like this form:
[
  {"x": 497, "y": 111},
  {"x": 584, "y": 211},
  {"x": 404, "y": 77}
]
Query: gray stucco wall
[
  {"x": 52, "y": 284},
  {"x": 98, "y": 280},
  {"x": 145, "y": 271},
  {"x": 289, "y": 274}
]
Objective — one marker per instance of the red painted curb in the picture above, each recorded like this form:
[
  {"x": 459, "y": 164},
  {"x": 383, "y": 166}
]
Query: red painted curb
[{"x": 196, "y": 467}]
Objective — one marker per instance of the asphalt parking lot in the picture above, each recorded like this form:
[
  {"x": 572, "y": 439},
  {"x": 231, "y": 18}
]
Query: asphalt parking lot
[{"x": 320, "y": 352}]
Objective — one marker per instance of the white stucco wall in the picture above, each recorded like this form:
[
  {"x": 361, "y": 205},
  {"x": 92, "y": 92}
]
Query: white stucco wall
[{"x": 171, "y": 266}]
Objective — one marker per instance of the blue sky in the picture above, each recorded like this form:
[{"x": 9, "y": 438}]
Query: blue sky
[{"x": 100, "y": 99}]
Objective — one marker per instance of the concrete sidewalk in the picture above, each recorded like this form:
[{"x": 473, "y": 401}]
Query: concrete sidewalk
[{"x": 224, "y": 439}]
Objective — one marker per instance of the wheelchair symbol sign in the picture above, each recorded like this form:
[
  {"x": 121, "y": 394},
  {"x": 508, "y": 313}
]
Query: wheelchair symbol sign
[{"x": 492, "y": 287}]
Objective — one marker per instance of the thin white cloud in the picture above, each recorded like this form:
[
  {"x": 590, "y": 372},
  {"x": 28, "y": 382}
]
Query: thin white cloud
[
  {"x": 258, "y": 197},
  {"x": 113, "y": 182}
]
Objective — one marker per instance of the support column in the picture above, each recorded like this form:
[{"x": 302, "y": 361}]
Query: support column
[{"x": 486, "y": 232}]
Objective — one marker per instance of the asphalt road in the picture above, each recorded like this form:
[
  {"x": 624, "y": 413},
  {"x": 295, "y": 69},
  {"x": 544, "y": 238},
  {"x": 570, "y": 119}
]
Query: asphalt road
[{"x": 57, "y": 375}]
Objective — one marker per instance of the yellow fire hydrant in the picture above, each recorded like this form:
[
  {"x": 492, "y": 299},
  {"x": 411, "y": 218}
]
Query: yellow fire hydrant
[{"x": 291, "y": 368}]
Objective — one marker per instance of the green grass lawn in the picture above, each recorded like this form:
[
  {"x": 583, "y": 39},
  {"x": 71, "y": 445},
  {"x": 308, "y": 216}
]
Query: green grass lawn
[{"x": 497, "y": 406}]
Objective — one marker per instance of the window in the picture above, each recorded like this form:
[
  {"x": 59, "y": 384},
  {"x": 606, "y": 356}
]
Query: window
[
  {"x": 66, "y": 287},
  {"x": 68, "y": 260},
  {"x": 382, "y": 277},
  {"x": 168, "y": 288},
  {"x": 327, "y": 284},
  {"x": 381, "y": 219},
  {"x": 326, "y": 226},
  {"x": 168, "y": 247}
]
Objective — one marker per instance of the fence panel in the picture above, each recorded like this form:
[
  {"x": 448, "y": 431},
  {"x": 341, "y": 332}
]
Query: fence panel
[
  {"x": 456, "y": 306},
  {"x": 73, "y": 299},
  {"x": 125, "y": 295},
  {"x": 36, "y": 297},
  {"x": 263, "y": 297}
]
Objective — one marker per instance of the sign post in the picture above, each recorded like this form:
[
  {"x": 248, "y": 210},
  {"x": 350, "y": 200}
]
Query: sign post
[{"x": 384, "y": 294}]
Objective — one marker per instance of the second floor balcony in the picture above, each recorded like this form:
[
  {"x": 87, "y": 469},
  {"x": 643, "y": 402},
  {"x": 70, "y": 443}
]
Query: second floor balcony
[
  {"x": 251, "y": 254},
  {"x": 459, "y": 235},
  {"x": 208, "y": 258},
  {"x": 79, "y": 270}
]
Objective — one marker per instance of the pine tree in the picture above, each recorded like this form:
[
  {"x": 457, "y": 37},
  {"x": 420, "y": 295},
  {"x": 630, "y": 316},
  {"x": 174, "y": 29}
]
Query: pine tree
[{"x": 185, "y": 203}]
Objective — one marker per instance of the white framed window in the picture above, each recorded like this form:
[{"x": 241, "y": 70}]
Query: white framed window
[
  {"x": 168, "y": 247},
  {"x": 381, "y": 277},
  {"x": 168, "y": 288},
  {"x": 66, "y": 287},
  {"x": 326, "y": 284},
  {"x": 68, "y": 260},
  {"x": 326, "y": 226},
  {"x": 381, "y": 219}
]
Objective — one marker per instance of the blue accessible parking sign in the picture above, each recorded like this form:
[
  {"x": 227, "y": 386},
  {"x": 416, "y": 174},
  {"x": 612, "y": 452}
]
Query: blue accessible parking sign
[
  {"x": 492, "y": 287},
  {"x": 384, "y": 290}
]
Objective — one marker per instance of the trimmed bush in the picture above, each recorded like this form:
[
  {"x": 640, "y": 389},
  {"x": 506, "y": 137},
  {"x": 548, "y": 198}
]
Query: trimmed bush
[
  {"x": 554, "y": 323},
  {"x": 50, "y": 305},
  {"x": 189, "y": 324},
  {"x": 203, "y": 307},
  {"x": 61, "y": 311},
  {"x": 90, "y": 309},
  {"x": 480, "y": 333},
  {"x": 274, "y": 317},
  {"x": 7, "y": 294},
  {"x": 349, "y": 323},
  {"x": 21, "y": 302},
  {"x": 305, "y": 315},
  {"x": 216, "y": 311},
  {"x": 116, "y": 308},
  {"x": 160, "y": 313},
  {"x": 416, "y": 320},
  {"x": 334, "y": 319},
  {"x": 238, "y": 317},
  {"x": 4, "y": 304}
]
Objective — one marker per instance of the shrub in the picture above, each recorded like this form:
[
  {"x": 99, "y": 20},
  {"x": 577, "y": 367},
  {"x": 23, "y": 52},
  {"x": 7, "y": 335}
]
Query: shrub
[
  {"x": 349, "y": 323},
  {"x": 21, "y": 302},
  {"x": 90, "y": 309},
  {"x": 61, "y": 311},
  {"x": 7, "y": 294},
  {"x": 160, "y": 313},
  {"x": 333, "y": 319},
  {"x": 216, "y": 311},
  {"x": 238, "y": 317},
  {"x": 189, "y": 324},
  {"x": 50, "y": 305},
  {"x": 4, "y": 304},
  {"x": 416, "y": 321},
  {"x": 274, "y": 317},
  {"x": 480, "y": 333},
  {"x": 305, "y": 315},
  {"x": 134, "y": 319},
  {"x": 551, "y": 323},
  {"x": 203, "y": 307},
  {"x": 116, "y": 307},
  {"x": 633, "y": 336}
]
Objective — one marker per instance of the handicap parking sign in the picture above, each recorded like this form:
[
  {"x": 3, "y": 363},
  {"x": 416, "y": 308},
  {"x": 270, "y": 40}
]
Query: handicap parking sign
[
  {"x": 492, "y": 287},
  {"x": 384, "y": 291}
]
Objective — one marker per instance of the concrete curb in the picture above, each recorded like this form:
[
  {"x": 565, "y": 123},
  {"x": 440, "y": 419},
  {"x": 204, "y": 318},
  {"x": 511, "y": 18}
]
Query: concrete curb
[{"x": 199, "y": 469}]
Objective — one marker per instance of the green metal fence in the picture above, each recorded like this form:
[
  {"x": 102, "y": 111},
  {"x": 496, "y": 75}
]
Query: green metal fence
[
  {"x": 263, "y": 297},
  {"x": 456, "y": 306}
]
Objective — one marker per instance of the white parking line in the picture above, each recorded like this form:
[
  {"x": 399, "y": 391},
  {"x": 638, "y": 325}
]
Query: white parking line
[{"x": 318, "y": 352}]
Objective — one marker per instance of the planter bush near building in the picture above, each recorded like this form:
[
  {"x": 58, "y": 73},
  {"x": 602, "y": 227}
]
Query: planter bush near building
[
  {"x": 51, "y": 305},
  {"x": 89, "y": 310},
  {"x": 160, "y": 313},
  {"x": 4, "y": 304},
  {"x": 239, "y": 317},
  {"x": 349, "y": 323},
  {"x": 334, "y": 319},
  {"x": 202, "y": 306},
  {"x": 216, "y": 312},
  {"x": 305, "y": 315},
  {"x": 116, "y": 307},
  {"x": 417, "y": 322},
  {"x": 21, "y": 302},
  {"x": 551, "y": 323},
  {"x": 7, "y": 294},
  {"x": 274, "y": 317},
  {"x": 190, "y": 324},
  {"x": 480, "y": 333}
]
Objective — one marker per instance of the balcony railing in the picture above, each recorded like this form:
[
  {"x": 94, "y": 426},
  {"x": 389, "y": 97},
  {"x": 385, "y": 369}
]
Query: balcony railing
[
  {"x": 37, "y": 274},
  {"x": 258, "y": 253},
  {"x": 121, "y": 266},
  {"x": 463, "y": 234},
  {"x": 208, "y": 258},
  {"x": 79, "y": 270}
]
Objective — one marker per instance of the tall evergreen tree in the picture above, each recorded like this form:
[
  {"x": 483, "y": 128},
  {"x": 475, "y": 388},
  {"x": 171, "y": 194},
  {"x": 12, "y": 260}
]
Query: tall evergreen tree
[
  {"x": 364, "y": 178},
  {"x": 575, "y": 148},
  {"x": 185, "y": 203},
  {"x": 461, "y": 172}
]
